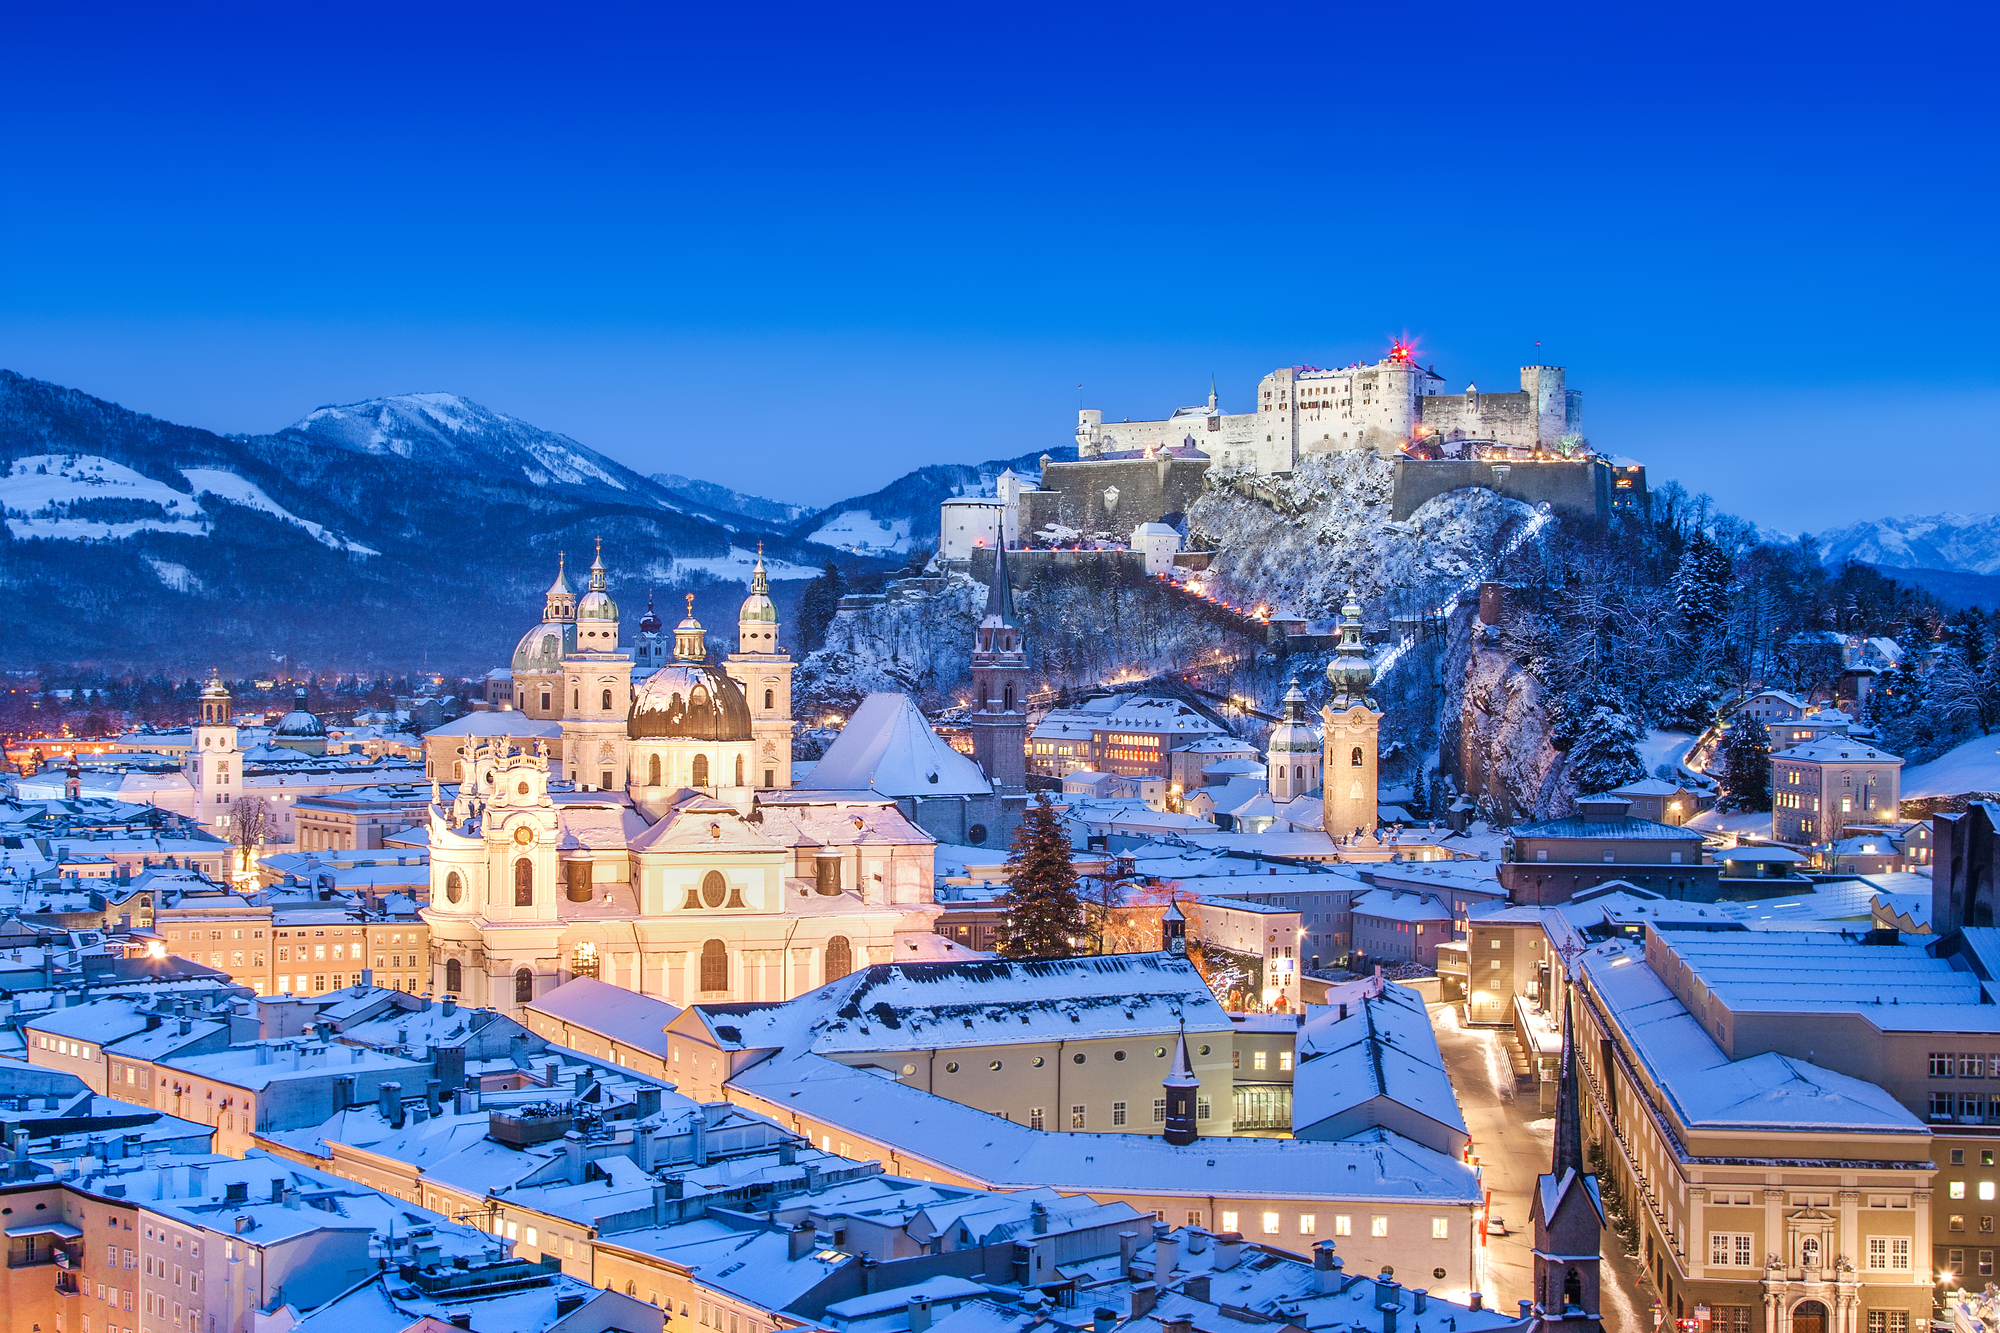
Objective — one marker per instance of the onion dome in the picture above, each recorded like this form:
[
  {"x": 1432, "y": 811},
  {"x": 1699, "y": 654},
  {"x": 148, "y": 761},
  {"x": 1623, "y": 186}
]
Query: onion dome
[
  {"x": 1294, "y": 735},
  {"x": 214, "y": 689},
  {"x": 689, "y": 701},
  {"x": 300, "y": 723},
  {"x": 597, "y": 604},
  {"x": 1350, "y": 673},
  {"x": 758, "y": 608},
  {"x": 544, "y": 647},
  {"x": 650, "y": 622}
]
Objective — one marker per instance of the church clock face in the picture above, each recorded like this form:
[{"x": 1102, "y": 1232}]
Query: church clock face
[{"x": 524, "y": 835}]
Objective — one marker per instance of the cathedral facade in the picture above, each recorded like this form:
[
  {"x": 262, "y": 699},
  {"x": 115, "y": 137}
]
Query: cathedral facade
[{"x": 664, "y": 849}]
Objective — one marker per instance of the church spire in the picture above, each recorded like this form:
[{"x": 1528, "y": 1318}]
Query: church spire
[
  {"x": 599, "y": 580},
  {"x": 1569, "y": 1124},
  {"x": 1182, "y": 1125},
  {"x": 1000, "y": 593},
  {"x": 760, "y": 582}
]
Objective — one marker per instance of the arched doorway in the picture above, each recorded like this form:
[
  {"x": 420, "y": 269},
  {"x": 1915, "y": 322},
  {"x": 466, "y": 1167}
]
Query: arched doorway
[
  {"x": 1809, "y": 1317},
  {"x": 839, "y": 958}
]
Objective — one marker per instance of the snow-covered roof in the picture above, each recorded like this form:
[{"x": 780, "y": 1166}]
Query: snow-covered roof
[
  {"x": 1384, "y": 1047},
  {"x": 1396, "y": 905},
  {"x": 887, "y": 746},
  {"x": 1820, "y": 972},
  {"x": 613, "y": 1012},
  {"x": 1708, "y": 1090},
  {"x": 508, "y": 722},
  {"x": 1626, "y": 829},
  {"x": 1835, "y": 749}
]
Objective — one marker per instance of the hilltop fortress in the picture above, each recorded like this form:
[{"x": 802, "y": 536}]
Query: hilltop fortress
[{"x": 1305, "y": 410}]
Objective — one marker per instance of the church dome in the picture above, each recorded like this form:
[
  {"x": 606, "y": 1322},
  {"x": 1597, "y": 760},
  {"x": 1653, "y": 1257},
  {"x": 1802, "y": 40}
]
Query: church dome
[
  {"x": 299, "y": 724},
  {"x": 689, "y": 701},
  {"x": 544, "y": 647},
  {"x": 758, "y": 608},
  {"x": 596, "y": 606},
  {"x": 650, "y": 622}
]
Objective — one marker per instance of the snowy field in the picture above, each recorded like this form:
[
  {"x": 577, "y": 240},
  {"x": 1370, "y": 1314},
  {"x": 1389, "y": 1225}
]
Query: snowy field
[
  {"x": 737, "y": 567},
  {"x": 1664, "y": 747},
  {"x": 861, "y": 532},
  {"x": 40, "y": 482},
  {"x": 1973, "y": 766}
]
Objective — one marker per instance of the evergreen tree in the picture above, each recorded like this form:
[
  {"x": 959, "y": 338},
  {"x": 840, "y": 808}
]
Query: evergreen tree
[
  {"x": 1044, "y": 913},
  {"x": 1746, "y": 766},
  {"x": 817, "y": 606},
  {"x": 1605, "y": 753},
  {"x": 1701, "y": 587}
]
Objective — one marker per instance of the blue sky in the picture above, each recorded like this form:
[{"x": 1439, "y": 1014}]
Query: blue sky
[{"x": 800, "y": 250}]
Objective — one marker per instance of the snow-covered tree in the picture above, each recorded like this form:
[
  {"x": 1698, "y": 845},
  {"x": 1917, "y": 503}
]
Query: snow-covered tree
[
  {"x": 1605, "y": 753},
  {"x": 1702, "y": 584},
  {"x": 1746, "y": 765}
]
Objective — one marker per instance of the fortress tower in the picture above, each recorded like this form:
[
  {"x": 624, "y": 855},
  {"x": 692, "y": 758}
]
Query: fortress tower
[{"x": 1352, "y": 725}]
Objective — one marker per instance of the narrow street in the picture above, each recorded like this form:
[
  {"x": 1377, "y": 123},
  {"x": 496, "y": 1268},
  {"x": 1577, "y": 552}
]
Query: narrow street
[{"x": 1512, "y": 1139}]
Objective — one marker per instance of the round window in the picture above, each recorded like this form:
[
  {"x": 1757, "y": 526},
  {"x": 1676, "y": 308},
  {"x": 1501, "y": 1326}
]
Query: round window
[
  {"x": 909, "y": 1070},
  {"x": 994, "y": 1065},
  {"x": 976, "y": 835},
  {"x": 1078, "y": 1057},
  {"x": 1159, "y": 1052},
  {"x": 522, "y": 789},
  {"x": 1118, "y": 1055},
  {"x": 1438, "y": 1273},
  {"x": 951, "y": 1068},
  {"x": 714, "y": 889},
  {"x": 1202, "y": 1051},
  {"x": 1039, "y": 1062},
  {"x": 454, "y": 887}
]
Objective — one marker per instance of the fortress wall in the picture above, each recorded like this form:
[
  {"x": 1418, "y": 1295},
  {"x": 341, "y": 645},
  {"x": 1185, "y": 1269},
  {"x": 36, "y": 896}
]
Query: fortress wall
[{"x": 1579, "y": 488}]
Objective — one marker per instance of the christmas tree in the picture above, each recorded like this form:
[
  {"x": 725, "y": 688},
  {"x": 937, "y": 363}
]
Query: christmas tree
[{"x": 1044, "y": 913}]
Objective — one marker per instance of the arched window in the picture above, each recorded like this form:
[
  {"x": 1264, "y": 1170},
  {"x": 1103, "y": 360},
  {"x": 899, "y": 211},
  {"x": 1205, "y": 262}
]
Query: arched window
[
  {"x": 715, "y": 966},
  {"x": 714, "y": 889},
  {"x": 739, "y": 770},
  {"x": 524, "y": 985},
  {"x": 1007, "y": 698},
  {"x": 453, "y": 975},
  {"x": 770, "y": 700},
  {"x": 524, "y": 883},
  {"x": 701, "y": 770},
  {"x": 653, "y": 771},
  {"x": 839, "y": 958},
  {"x": 1354, "y": 759},
  {"x": 583, "y": 959},
  {"x": 454, "y": 887},
  {"x": 458, "y": 771},
  {"x": 607, "y": 701}
]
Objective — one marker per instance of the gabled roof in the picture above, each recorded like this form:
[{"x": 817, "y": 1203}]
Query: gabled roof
[{"x": 888, "y": 747}]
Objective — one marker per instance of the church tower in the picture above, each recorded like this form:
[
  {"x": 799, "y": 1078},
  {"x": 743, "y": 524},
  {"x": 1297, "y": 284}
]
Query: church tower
[
  {"x": 215, "y": 768},
  {"x": 1352, "y": 727},
  {"x": 764, "y": 670},
  {"x": 999, "y": 719},
  {"x": 1293, "y": 757},
  {"x": 598, "y": 686},
  {"x": 1181, "y": 1086},
  {"x": 1568, "y": 1215}
]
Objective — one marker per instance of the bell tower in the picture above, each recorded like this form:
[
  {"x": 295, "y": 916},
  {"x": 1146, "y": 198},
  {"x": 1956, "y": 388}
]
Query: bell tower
[
  {"x": 1181, "y": 1085},
  {"x": 1568, "y": 1215},
  {"x": 215, "y": 768},
  {"x": 598, "y": 683},
  {"x": 764, "y": 669},
  {"x": 1352, "y": 731},
  {"x": 999, "y": 719}
]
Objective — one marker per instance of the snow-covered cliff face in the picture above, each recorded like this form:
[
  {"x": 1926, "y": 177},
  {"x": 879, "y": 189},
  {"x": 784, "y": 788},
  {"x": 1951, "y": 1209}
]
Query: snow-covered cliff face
[
  {"x": 1304, "y": 541},
  {"x": 919, "y": 645},
  {"x": 1501, "y": 738}
]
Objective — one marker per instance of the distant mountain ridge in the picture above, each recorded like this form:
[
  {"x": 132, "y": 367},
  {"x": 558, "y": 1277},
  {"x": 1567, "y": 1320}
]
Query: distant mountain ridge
[
  {"x": 1961, "y": 543},
  {"x": 904, "y": 514},
  {"x": 725, "y": 501}
]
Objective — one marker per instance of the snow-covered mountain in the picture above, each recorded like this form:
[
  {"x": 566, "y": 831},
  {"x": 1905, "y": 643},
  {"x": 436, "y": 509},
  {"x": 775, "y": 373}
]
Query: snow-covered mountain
[
  {"x": 722, "y": 499},
  {"x": 445, "y": 430},
  {"x": 904, "y": 514},
  {"x": 1965, "y": 543}
]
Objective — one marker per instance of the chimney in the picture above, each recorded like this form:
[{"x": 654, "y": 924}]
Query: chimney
[
  {"x": 290, "y": 1198},
  {"x": 573, "y": 1157},
  {"x": 465, "y": 1101},
  {"x": 451, "y": 1066},
  {"x": 343, "y": 1089},
  {"x": 1103, "y": 1319},
  {"x": 788, "y": 1153},
  {"x": 263, "y": 1054},
  {"x": 277, "y": 1190},
  {"x": 242, "y": 1223},
  {"x": 1166, "y": 1253},
  {"x": 186, "y": 1026},
  {"x": 431, "y": 1090},
  {"x": 1326, "y": 1276},
  {"x": 800, "y": 1240},
  {"x": 1128, "y": 1245},
  {"x": 1179, "y": 1323},
  {"x": 450, "y": 1005},
  {"x": 1038, "y": 1217},
  {"x": 1420, "y": 1300},
  {"x": 1197, "y": 1240},
  {"x": 646, "y": 1101},
  {"x": 1196, "y": 1288},
  {"x": 1476, "y": 1301},
  {"x": 569, "y": 1305},
  {"x": 1228, "y": 1251},
  {"x": 549, "y": 1074},
  {"x": 389, "y": 1099},
  {"x": 700, "y": 1146},
  {"x": 920, "y": 1314},
  {"x": 1527, "y": 1310},
  {"x": 1144, "y": 1296},
  {"x": 197, "y": 1182},
  {"x": 460, "y": 1319}
]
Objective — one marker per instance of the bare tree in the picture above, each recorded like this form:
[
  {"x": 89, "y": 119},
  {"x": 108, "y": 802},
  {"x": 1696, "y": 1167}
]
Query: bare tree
[{"x": 251, "y": 825}]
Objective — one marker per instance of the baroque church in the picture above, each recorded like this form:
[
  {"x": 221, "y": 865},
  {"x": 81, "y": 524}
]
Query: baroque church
[{"x": 658, "y": 843}]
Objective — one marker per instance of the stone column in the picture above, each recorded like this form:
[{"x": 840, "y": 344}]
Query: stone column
[
  {"x": 1923, "y": 1261},
  {"x": 1775, "y": 1240},
  {"x": 1850, "y": 1229}
]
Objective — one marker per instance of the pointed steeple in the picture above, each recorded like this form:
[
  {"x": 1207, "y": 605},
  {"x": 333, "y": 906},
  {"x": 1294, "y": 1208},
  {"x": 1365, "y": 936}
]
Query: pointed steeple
[
  {"x": 1211, "y": 393},
  {"x": 561, "y": 585},
  {"x": 1000, "y": 593},
  {"x": 1180, "y": 1084},
  {"x": 1295, "y": 702},
  {"x": 1569, "y": 1124},
  {"x": 598, "y": 577},
  {"x": 759, "y": 581},
  {"x": 559, "y": 603}
]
